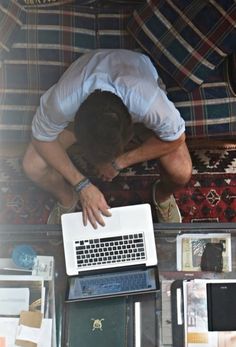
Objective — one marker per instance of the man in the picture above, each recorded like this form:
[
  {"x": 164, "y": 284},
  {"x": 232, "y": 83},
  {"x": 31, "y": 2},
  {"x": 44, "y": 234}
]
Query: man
[{"x": 103, "y": 94}]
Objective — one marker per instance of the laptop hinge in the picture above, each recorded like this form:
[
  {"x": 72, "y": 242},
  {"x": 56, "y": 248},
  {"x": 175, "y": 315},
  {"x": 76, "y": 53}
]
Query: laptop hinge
[{"x": 112, "y": 269}]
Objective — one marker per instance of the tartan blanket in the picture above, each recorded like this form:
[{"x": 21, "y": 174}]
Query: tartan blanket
[
  {"x": 38, "y": 43},
  {"x": 188, "y": 39}
]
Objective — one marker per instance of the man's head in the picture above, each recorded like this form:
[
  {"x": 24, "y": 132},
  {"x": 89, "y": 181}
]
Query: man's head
[{"x": 103, "y": 127}]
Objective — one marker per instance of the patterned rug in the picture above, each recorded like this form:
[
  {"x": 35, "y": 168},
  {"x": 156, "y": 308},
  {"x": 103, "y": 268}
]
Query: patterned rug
[{"x": 209, "y": 197}]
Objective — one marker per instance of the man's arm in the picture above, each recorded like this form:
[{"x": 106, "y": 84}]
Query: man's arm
[
  {"x": 92, "y": 200},
  {"x": 152, "y": 148}
]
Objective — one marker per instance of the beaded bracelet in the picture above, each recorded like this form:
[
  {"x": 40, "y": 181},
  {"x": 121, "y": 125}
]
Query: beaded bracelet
[
  {"x": 82, "y": 184},
  {"x": 115, "y": 166}
]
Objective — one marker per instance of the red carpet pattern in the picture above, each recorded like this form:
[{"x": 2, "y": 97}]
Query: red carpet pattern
[{"x": 209, "y": 197}]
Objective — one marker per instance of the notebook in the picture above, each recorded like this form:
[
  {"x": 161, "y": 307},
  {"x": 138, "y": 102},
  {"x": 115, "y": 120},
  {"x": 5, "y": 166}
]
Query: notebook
[
  {"x": 117, "y": 259},
  {"x": 221, "y": 305},
  {"x": 97, "y": 323}
]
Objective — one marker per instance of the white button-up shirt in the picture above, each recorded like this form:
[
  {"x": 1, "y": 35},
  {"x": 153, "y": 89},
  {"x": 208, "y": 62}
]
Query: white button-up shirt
[{"x": 129, "y": 75}]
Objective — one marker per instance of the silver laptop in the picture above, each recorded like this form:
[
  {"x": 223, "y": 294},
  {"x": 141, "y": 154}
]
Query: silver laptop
[{"x": 119, "y": 258}]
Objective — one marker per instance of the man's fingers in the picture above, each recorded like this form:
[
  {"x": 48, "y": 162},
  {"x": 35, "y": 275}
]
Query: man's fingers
[
  {"x": 94, "y": 206},
  {"x": 98, "y": 216},
  {"x": 85, "y": 217},
  {"x": 95, "y": 216},
  {"x": 106, "y": 213},
  {"x": 92, "y": 219}
]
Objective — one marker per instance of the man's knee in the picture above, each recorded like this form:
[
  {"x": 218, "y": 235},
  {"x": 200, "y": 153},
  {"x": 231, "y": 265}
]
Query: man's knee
[
  {"x": 177, "y": 166},
  {"x": 33, "y": 165},
  {"x": 180, "y": 179},
  {"x": 184, "y": 174}
]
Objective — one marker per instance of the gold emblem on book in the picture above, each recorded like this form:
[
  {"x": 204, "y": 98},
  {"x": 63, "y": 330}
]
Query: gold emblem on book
[{"x": 97, "y": 324}]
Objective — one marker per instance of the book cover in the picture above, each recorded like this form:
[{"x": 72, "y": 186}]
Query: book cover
[
  {"x": 221, "y": 306},
  {"x": 196, "y": 316},
  {"x": 97, "y": 323}
]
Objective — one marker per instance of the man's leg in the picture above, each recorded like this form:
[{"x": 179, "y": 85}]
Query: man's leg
[
  {"x": 175, "y": 173},
  {"x": 46, "y": 177}
]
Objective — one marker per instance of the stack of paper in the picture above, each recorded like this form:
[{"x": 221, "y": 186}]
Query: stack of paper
[{"x": 26, "y": 315}]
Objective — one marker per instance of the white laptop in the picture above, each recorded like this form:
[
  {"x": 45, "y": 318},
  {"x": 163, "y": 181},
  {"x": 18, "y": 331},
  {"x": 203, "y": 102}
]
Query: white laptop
[{"x": 100, "y": 259}]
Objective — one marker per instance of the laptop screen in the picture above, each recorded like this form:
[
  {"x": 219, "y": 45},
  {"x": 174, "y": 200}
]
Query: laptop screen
[{"x": 112, "y": 284}]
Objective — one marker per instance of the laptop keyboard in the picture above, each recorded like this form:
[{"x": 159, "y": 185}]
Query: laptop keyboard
[{"x": 110, "y": 250}]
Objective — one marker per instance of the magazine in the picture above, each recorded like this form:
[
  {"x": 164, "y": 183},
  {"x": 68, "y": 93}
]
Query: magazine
[
  {"x": 196, "y": 317},
  {"x": 190, "y": 249}
]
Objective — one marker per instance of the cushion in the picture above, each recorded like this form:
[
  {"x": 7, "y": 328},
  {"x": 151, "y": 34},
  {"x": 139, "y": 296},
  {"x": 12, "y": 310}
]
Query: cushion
[
  {"x": 111, "y": 31},
  {"x": 209, "y": 111},
  {"x": 232, "y": 71},
  {"x": 48, "y": 42},
  {"x": 101, "y": 3},
  {"x": 122, "y": 2},
  {"x": 187, "y": 38},
  {"x": 10, "y": 22},
  {"x": 46, "y": 3}
]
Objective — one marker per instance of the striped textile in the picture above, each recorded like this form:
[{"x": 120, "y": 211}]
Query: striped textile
[
  {"x": 187, "y": 38},
  {"x": 232, "y": 71},
  {"x": 48, "y": 42},
  {"x": 209, "y": 111},
  {"x": 49, "y": 3},
  {"x": 43, "y": 3},
  {"x": 11, "y": 14}
]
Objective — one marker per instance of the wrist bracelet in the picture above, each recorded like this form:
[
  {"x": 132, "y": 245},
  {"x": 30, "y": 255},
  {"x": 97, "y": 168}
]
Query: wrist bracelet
[
  {"x": 115, "y": 166},
  {"x": 82, "y": 184}
]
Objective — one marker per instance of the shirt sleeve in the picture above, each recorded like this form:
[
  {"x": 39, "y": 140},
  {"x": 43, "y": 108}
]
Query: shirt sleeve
[
  {"x": 49, "y": 120},
  {"x": 164, "y": 118}
]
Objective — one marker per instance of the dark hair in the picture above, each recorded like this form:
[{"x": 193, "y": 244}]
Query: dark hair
[{"x": 103, "y": 127}]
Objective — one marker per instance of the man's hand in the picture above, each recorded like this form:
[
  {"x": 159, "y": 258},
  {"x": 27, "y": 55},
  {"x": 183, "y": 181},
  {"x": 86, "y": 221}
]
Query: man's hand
[
  {"x": 107, "y": 172},
  {"x": 93, "y": 205}
]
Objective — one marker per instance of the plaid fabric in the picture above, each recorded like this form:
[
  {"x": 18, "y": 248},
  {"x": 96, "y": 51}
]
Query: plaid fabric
[
  {"x": 49, "y": 40},
  {"x": 45, "y": 3},
  {"x": 187, "y": 38},
  {"x": 209, "y": 111},
  {"x": 123, "y": 2},
  {"x": 45, "y": 46},
  {"x": 232, "y": 71},
  {"x": 49, "y": 3},
  {"x": 11, "y": 15}
]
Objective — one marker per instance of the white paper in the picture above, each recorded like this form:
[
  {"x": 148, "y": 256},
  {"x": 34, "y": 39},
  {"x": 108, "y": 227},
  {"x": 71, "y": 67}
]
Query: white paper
[
  {"x": 43, "y": 266},
  {"x": 28, "y": 333},
  {"x": 8, "y": 329},
  {"x": 13, "y": 301}
]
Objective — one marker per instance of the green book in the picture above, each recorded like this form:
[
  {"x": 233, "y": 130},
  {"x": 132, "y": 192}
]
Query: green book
[{"x": 97, "y": 323}]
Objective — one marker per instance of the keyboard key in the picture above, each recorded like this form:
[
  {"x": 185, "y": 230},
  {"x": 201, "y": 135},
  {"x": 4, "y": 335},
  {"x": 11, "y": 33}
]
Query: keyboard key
[{"x": 113, "y": 249}]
